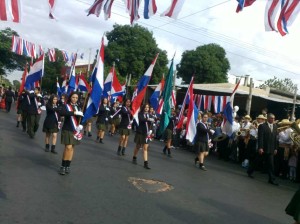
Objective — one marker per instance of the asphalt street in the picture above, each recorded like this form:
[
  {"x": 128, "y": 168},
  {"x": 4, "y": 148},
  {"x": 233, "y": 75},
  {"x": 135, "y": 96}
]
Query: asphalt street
[{"x": 106, "y": 188}]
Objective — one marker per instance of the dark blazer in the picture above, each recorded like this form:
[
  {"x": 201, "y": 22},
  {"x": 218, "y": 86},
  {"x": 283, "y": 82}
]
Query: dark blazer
[
  {"x": 51, "y": 121},
  {"x": 203, "y": 133},
  {"x": 33, "y": 108},
  {"x": 143, "y": 123},
  {"x": 267, "y": 140},
  {"x": 67, "y": 114},
  {"x": 125, "y": 117},
  {"x": 103, "y": 114}
]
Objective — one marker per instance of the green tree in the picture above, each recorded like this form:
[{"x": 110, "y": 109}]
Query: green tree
[
  {"x": 16, "y": 84},
  {"x": 9, "y": 61},
  {"x": 52, "y": 72},
  {"x": 285, "y": 85},
  {"x": 208, "y": 64},
  {"x": 133, "y": 48}
]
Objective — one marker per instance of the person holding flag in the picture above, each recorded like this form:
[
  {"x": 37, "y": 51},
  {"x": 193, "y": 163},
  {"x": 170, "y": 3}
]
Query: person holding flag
[
  {"x": 202, "y": 140},
  {"x": 103, "y": 115},
  {"x": 143, "y": 135},
  {"x": 124, "y": 126},
  {"x": 70, "y": 135},
  {"x": 169, "y": 133}
]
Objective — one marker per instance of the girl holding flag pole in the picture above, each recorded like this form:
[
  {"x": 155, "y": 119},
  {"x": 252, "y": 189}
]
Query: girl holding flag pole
[
  {"x": 143, "y": 135},
  {"x": 70, "y": 135}
]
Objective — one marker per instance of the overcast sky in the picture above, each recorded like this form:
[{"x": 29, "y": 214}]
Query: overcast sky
[{"x": 250, "y": 49}]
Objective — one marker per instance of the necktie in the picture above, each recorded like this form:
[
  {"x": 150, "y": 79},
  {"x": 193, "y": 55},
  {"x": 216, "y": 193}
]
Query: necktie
[{"x": 271, "y": 127}]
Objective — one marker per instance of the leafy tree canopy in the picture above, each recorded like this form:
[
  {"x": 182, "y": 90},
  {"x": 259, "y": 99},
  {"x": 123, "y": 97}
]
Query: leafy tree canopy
[
  {"x": 208, "y": 64},
  {"x": 285, "y": 85},
  {"x": 133, "y": 48},
  {"x": 9, "y": 61}
]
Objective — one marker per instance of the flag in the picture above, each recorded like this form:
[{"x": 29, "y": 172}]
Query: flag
[
  {"x": 173, "y": 99},
  {"x": 58, "y": 89},
  {"x": 51, "y": 55},
  {"x": 96, "y": 93},
  {"x": 154, "y": 99},
  {"x": 72, "y": 81},
  {"x": 15, "y": 12},
  {"x": 116, "y": 88},
  {"x": 192, "y": 116},
  {"x": 174, "y": 9},
  {"x": 24, "y": 76},
  {"x": 220, "y": 102},
  {"x": 149, "y": 8},
  {"x": 95, "y": 8},
  {"x": 64, "y": 86},
  {"x": 243, "y": 3},
  {"x": 228, "y": 111},
  {"x": 37, "y": 84},
  {"x": 272, "y": 8},
  {"x": 83, "y": 84},
  {"x": 51, "y": 8},
  {"x": 140, "y": 90},
  {"x": 17, "y": 45},
  {"x": 65, "y": 55},
  {"x": 108, "y": 83},
  {"x": 134, "y": 10},
  {"x": 36, "y": 72},
  {"x": 166, "y": 96},
  {"x": 107, "y": 9},
  {"x": 289, "y": 12},
  {"x": 185, "y": 101}
]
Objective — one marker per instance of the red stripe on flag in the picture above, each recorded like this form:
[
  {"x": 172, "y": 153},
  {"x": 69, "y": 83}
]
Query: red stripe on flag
[
  {"x": 170, "y": 13},
  {"x": 3, "y": 15},
  {"x": 15, "y": 8}
]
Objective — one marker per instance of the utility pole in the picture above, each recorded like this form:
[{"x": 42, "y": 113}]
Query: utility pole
[
  {"x": 249, "y": 100},
  {"x": 293, "y": 117}
]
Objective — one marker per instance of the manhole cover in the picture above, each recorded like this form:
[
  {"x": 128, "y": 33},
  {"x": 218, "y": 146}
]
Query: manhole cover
[{"x": 150, "y": 186}]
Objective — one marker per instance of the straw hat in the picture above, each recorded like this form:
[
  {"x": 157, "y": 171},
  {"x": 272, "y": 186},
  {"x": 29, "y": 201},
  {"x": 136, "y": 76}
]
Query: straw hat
[
  {"x": 247, "y": 117},
  {"x": 261, "y": 117},
  {"x": 284, "y": 122}
]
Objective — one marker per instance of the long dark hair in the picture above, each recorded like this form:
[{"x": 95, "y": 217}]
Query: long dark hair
[
  {"x": 50, "y": 101},
  {"x": 73, "y": 93}
]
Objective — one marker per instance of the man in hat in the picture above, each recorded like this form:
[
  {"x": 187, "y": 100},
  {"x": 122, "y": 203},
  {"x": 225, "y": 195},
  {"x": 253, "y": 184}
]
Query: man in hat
[{"x": 34, "y": 111}]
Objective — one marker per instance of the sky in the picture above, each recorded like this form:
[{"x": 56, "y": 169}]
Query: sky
[{"x": 249, "y": 48}]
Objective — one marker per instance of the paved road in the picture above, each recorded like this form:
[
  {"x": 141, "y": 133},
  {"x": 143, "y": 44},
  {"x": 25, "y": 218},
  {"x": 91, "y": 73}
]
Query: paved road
[{"x": 100, "y": 188}]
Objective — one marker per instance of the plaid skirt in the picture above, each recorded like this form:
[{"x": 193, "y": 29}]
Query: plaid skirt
[{"x": 124, "y": 131}]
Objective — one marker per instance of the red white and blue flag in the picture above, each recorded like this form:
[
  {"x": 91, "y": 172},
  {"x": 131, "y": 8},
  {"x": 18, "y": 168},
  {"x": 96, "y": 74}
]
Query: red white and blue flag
[
  {"x": 154, "y": 99},
  {"x": 96, "y": 93},
  {"x": 243, "y": 3},
  {"x": 52, "y": 55},
  {"x": 15, "y": 12},
  {"x": 150, "y": 8},
  {"x": 95, "y": 8},
  {"x": 185, "y": 101},
  {"x": 107, "y": 9},
  {"x": 108, "y": 83},
  {"x": 272, "y": 8},
  {"x": 64, "y": 86},
  {"x": 51, "y": 8},
  {"x": 65, "y": 55},
  {"x": 140, "y": 90},
  {"x": 83, "y": 85},
  {"x": 72, "y": 81},
  {"x": 174, "y": 9},
  {"x": 192, "y": 116},
  {"x": 36, "y": 73},
  {"x": 289, "y": 11},
  {"x": 58, "y": 89},
  {"x": 220, "y": 102}
]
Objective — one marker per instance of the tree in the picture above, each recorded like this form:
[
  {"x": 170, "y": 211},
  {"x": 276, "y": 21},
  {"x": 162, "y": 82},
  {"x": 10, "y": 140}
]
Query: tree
[
  {"x": 16, "y": 84},
  {"x": 133, "y": 48},
  {"x": 52, "y": 72},
  {"x": 208, "y": 64},
  {"x": 9, "y": 61},
  {"x": 285, "y": 85}
]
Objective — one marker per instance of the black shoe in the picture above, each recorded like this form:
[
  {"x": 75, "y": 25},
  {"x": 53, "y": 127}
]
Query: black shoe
[
  {"x": 165, "y": 151},
  {"x": 134, "y": 161},
  {"x": 146, "y": 165},
  {"x": 53, "y": 151},
  {"x": 250, "y": 175},
  {"x": 119, "y": 151},
  {"x": 203, "y": 168},
  {"x": 68, "y": 170},
  {"x": 89, "y": 134},
  {"x": 62, "y": 170},
  {"x": 123, "y": 151},
  {"x": 196, "y": 161},
  {"x": 273, "y": 183}
]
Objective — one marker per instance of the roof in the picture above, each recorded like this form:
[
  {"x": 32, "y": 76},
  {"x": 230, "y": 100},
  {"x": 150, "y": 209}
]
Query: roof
[{"x": 227, "y": 88}]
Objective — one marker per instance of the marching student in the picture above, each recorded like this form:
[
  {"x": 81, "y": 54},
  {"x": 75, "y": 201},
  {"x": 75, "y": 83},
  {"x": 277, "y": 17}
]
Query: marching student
[
  {"x": 70, "y": 135},
  {"x": 124, "y": 127},
  {"x": 34, "y": 111},
  {"x": 52, "y": 123},
  {"x": 114, "y": 118},
  {"x": 169, "y": 132},
  {"x": 102, "y": 119},
  {"x": 143, "y": 135}
]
